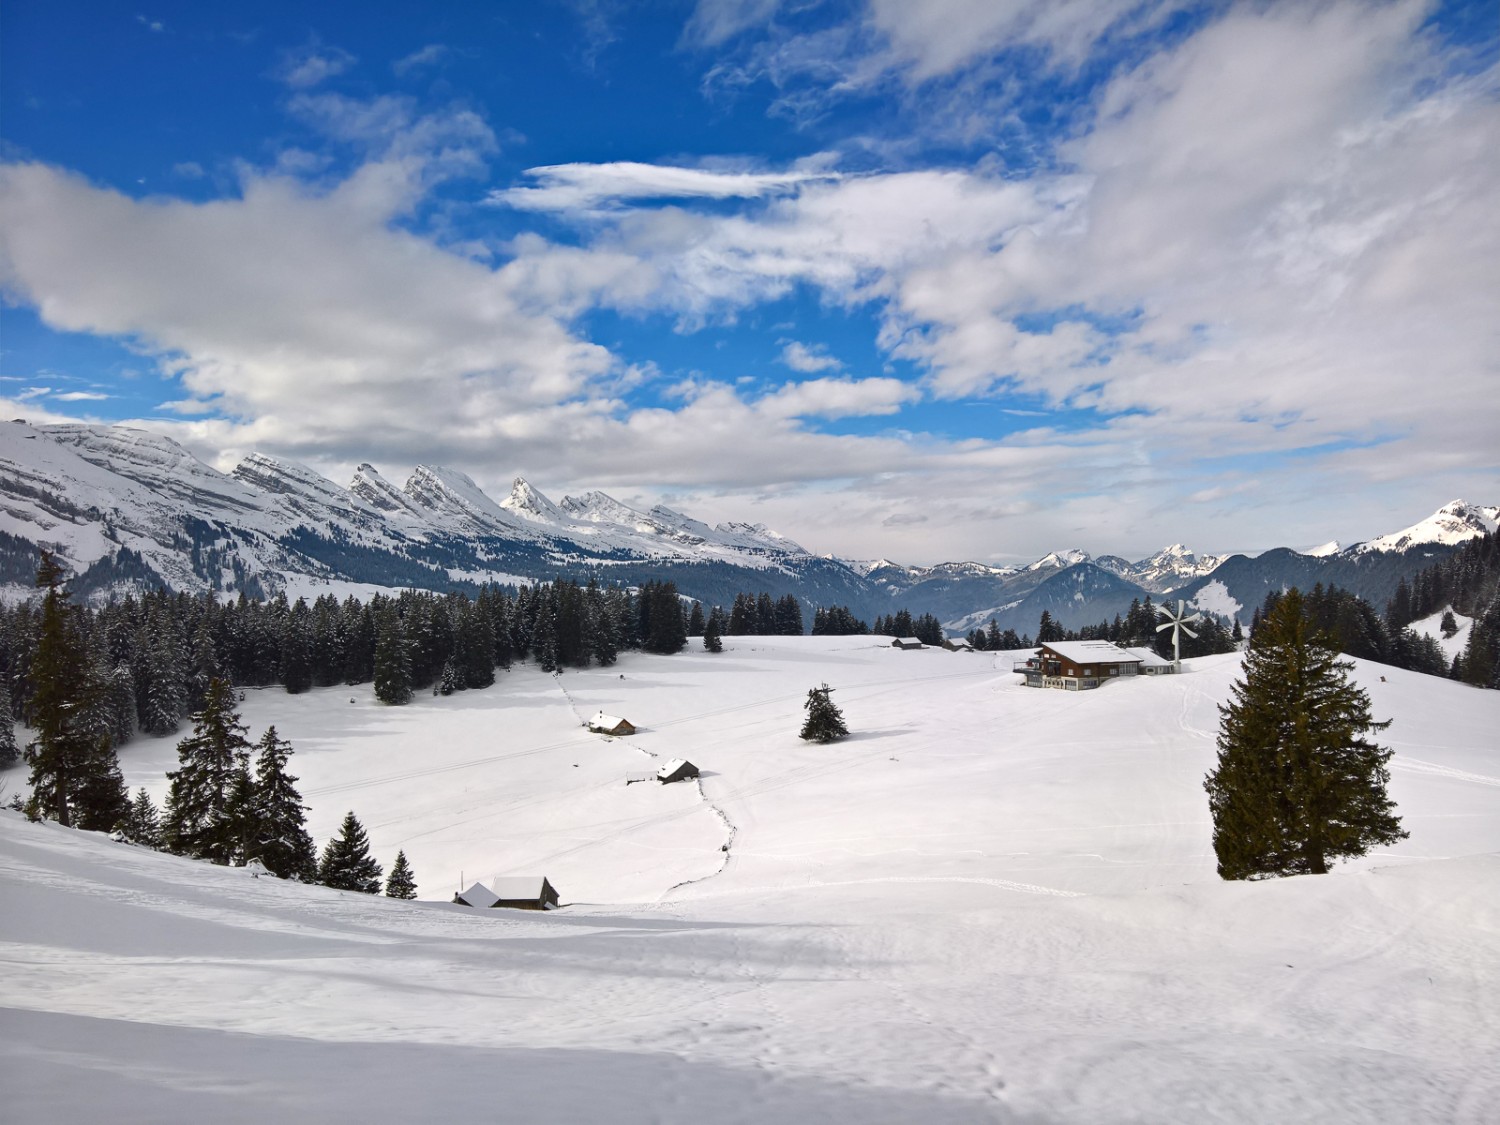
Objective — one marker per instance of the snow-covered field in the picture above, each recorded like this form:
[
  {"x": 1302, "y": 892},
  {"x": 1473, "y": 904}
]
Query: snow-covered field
[{"x": 990, "y": 904}]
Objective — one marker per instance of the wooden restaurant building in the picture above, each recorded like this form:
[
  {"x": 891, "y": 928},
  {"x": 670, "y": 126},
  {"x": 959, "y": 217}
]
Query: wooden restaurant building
[{"x": 1077, "y": 665}]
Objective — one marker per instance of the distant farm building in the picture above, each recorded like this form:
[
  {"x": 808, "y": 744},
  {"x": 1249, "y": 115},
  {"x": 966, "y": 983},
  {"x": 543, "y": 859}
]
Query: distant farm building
[
  {"x": 677, "y": 769},
  {"x": 1078, "y": 665},
  {"x": 518, "y": 892},
  {"x": 907, "y": 642},
  {"x": 610, "y": 724},
  {"x": 955, "y": 644}
]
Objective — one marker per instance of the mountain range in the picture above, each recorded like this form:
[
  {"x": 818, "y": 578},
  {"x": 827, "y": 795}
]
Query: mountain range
[{"x": 127, "y": 510}]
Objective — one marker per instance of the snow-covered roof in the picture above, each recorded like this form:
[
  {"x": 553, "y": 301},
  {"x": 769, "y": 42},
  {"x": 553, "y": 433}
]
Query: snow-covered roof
[
  {"x": 1149, "y": 658},
  {"x": 1091, "y": 652},
  {"x": 671, "y": 766},
  {"x": 608, "y": 722},
  {"x": 511, "y": 888},
  {"x": 479, "y": 895}
]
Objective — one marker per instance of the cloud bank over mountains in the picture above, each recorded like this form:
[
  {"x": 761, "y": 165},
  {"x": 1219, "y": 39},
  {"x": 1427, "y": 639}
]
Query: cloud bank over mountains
[{"x": 1257, "y": 270}]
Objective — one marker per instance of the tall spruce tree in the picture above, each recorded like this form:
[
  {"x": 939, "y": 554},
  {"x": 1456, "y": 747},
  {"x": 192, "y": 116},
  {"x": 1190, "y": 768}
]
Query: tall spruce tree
[
  {"x": 825, "y": 722},
  {"x": 143, "y": 823},
  {"x": 75, "y": 776},
  {"x": 392, "y": 659},
  {"x": 277, "y": 833},
  {"x": 347, "y": 864},
  {"x": 9, "y": 752},
  {"x": 401, "y": 883},
  {"x": 1298, "y": 783},
  {"x": 205, "y": 804}
]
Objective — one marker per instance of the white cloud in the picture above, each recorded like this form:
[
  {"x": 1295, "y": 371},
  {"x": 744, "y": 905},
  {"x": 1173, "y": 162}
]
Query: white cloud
[
  {"x": 808, "y": 360},
  {"x": 715, "y": 21},
  {"x": 307, "y": 66},
  {"x": 81, "y": 396},
  {"x": 584, "y": 187},
  {"x": 429, "y": 55},
  {"x": 838, "y": 398}
]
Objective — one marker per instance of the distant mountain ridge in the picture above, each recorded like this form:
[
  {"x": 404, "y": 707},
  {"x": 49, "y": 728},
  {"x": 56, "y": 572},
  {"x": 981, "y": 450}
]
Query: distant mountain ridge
[{"x": 129, "y": 510}]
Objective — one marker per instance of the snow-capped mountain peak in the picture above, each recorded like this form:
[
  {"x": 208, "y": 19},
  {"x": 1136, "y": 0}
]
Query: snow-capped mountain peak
[
  {"x": 526, "y": 502},
  {"x": 1070, "y": 556},
  {"x": 450, "y": 497},
  {"x": 1451, "y": 524}
]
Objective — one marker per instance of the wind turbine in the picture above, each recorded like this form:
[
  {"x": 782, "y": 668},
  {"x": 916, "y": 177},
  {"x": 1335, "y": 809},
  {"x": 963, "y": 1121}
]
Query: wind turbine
[{"x": 1178, "y": 623}]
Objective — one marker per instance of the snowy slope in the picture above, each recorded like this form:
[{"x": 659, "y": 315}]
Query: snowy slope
[
  {"x": 1453, "y": 523},
  {"x": 992, "y": 904}
]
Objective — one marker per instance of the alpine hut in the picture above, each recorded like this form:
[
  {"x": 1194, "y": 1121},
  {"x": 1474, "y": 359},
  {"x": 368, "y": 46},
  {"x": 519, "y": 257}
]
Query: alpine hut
[
  {"x": 610, "y": 724},
  {"x": 908, "y": 642},
  {"x": 518, "y": 892},
  {"x": 677, "y": 769},
  {"x": 1077, "y": 665}
]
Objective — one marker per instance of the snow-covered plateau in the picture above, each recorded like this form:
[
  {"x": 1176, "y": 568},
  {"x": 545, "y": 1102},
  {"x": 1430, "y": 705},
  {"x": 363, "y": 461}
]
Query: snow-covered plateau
[{"x": 990, "y": 904}]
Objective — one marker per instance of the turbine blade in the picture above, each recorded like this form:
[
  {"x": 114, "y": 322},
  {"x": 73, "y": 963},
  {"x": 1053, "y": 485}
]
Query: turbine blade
[
  {"x": 1189, "y": 632},
  {"x": 1165, "y": 625}
]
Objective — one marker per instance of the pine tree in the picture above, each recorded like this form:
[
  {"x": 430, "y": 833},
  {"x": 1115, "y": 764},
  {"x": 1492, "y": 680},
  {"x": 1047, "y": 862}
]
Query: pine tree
[
  {"x": 1298, "y": 783},
  {"x": 277, "y": 833},
  {"x": 711, "y": 639},
  {"x": 825, "y": 722},
  {"x": 401, "y": 883},
  {"x": 75, "y": 776},
  {"x": 205, "y": 813},
  {"x": 347, "y": 864},
  {"x": 392, "y": 660},
  {"x": 10, "y": 754},
  {"x": 142, "y": 823}
]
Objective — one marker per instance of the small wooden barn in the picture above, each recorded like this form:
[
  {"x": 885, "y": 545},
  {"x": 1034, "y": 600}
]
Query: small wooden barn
[
  {"x": 677, "y": 769},
  {"x": 610, "y": 724},
  {"x": 907, "y": 642},
  {"x": 954, "y": 644},
  {"x": 518, "y": 892}
]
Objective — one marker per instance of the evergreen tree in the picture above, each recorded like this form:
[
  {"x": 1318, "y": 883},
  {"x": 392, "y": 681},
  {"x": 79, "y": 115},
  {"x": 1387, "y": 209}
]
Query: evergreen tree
[
  {"x": 1298, "y": 783},
  {"x": 696, "y": 623},
  {"x": 205, "y": 811},
  {"x": 75, "y": 776},
  {"x": 142, "y": 823},
  {"x": 278, "y": 829},
  {"x": 401, "y": 883},
  {"x": 711, "y": 639},
  {"x": 10, "y": 754},
  {"x": 825, "y": 722},
  {"x": 392, "y": 660},
  {"x": 347, "y": 864},
  {"x": 1048, "y": 630}
]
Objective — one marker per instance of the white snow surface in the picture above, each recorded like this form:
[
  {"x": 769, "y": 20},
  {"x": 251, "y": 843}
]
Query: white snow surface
[
  {"x": 990, "y": 904},
  {"x": 1214, "y": 597},
  {"x": 1433, "y": 627},
  {"x": 1455, "y": 522}
]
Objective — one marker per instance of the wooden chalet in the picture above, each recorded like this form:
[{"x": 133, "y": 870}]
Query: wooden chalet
[
  {"x": 517, "y": 892},
  {"x": 677, "y": 769},
  {"x": 610, "y": 724},
  {"x": 907, "y": 642},
  {"x": 957, "y": 644},
  {"x": 1077, "y": 665}
]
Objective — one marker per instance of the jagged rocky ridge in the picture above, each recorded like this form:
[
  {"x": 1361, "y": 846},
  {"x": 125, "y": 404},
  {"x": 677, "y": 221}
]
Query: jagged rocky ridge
[{"x": 128, "y": 509}]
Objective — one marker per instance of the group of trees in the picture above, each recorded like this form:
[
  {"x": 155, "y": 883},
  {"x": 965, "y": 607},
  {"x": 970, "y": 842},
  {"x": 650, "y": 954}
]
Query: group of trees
[
  {"x": 926, "y": 628},
  {"x": 756, "y": 615},
  {"x": 143, "y": 664},
  {"x": 1467, "y": 582}
]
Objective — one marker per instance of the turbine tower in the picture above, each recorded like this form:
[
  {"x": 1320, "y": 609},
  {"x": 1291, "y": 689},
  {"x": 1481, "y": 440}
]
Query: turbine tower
[{"x": 1178, "y": 623}]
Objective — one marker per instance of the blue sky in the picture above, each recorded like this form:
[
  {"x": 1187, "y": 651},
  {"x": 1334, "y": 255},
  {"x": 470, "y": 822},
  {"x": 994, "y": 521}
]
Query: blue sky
[{"x": 960, "y": 279}]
